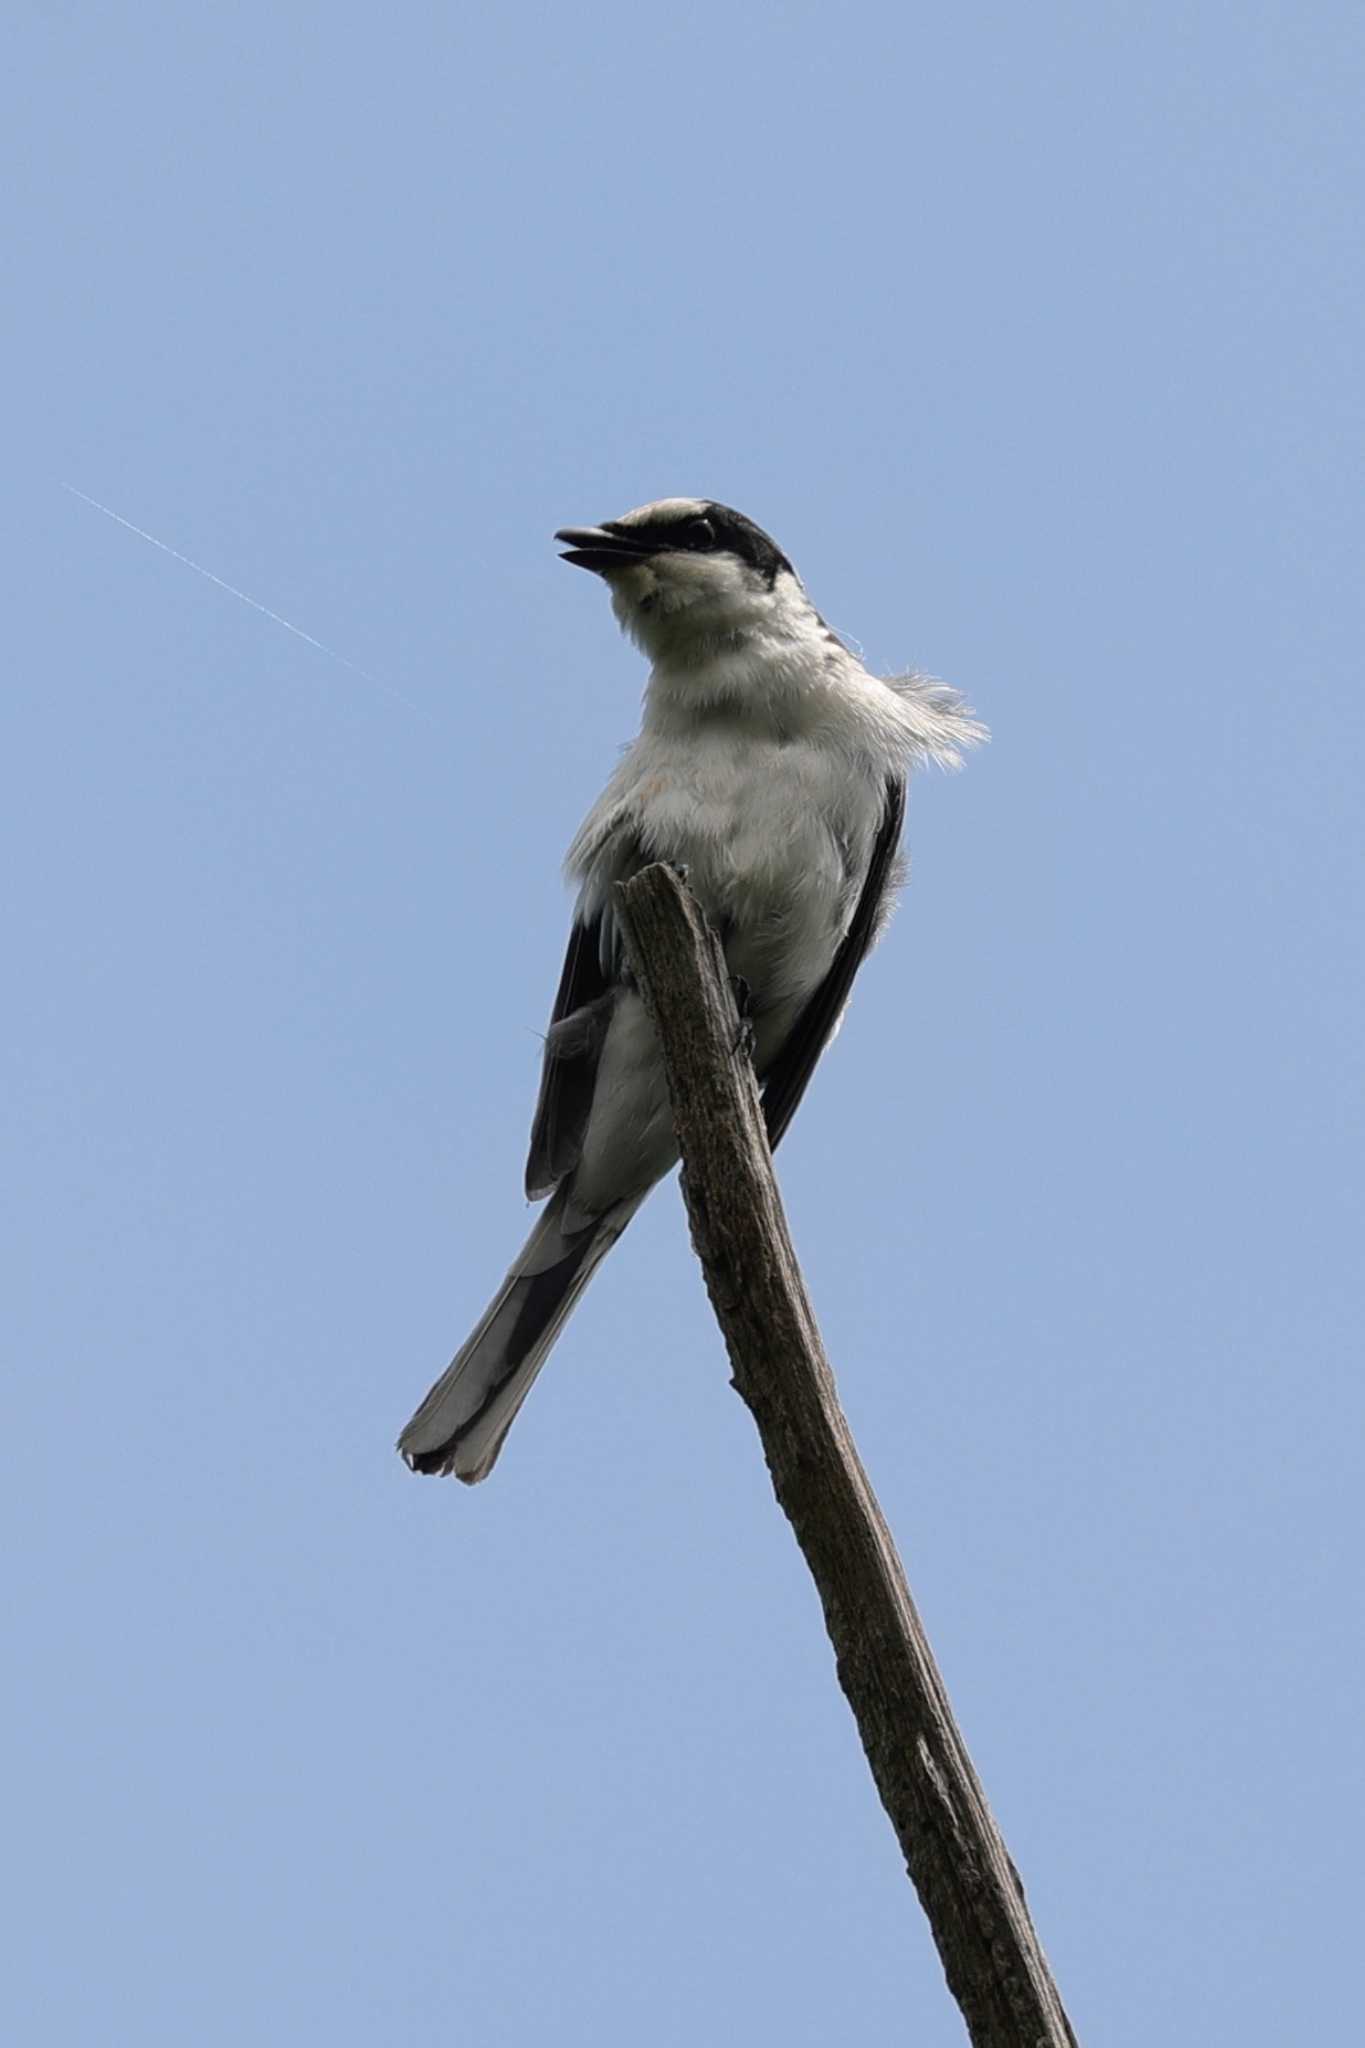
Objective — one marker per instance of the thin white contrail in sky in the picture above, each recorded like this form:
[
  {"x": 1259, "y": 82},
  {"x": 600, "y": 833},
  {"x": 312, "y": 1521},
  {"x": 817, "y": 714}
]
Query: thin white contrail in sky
[{"x": 233, "y": 591}]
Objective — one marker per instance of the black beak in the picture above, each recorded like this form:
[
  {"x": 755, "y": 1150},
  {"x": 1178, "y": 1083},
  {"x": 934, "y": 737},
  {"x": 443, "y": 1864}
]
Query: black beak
[{"x": 592, "y": 547}]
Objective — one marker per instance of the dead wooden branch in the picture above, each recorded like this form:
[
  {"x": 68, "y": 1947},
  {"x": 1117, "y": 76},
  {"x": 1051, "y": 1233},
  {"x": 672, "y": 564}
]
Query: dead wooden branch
[{"x": 967, "y": 1884}]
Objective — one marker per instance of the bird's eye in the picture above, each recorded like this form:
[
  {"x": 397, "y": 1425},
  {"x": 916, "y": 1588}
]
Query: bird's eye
[{"x": 699, "y": 533}]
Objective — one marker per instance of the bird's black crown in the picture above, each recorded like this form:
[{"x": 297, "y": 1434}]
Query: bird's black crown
[{"x": 707, "y": 529}]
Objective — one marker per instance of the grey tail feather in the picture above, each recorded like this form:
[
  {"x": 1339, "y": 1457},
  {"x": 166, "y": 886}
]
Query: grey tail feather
[{"x": 460, "y": 1426}]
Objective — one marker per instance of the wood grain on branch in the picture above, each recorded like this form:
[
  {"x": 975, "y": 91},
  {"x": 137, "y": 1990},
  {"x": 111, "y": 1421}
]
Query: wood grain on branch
[{"x": 953, "y": 1851}]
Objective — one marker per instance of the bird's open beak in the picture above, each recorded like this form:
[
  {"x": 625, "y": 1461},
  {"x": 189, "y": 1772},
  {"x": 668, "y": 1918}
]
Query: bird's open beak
[{"x": 591, "y": 547}]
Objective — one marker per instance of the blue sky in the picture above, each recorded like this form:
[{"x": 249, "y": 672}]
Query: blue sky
[{"x": 1034, "y": 336}]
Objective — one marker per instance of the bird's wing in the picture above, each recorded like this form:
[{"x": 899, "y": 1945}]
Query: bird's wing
[
  {"x": 786, "y": 1079},
  {"x": 608, "y": 849},
  {"x": 572, "y": 1048}
]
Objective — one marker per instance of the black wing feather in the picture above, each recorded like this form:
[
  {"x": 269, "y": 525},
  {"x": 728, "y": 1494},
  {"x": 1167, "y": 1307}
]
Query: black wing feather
[
  {"x": 787, "y": 1078},
  {"x": 569, "y": 1074}
]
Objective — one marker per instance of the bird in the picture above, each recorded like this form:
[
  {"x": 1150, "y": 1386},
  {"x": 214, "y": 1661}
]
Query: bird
[{"x": 770, "y": 768}]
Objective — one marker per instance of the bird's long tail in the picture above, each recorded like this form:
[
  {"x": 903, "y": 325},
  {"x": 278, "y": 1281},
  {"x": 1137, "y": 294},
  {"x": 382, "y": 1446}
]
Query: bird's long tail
[{"x": 460, "y": 1426}]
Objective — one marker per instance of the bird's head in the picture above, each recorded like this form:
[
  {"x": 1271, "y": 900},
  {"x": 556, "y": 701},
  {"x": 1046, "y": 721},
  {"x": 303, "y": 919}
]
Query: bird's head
[{"x": 686, "y": 573}]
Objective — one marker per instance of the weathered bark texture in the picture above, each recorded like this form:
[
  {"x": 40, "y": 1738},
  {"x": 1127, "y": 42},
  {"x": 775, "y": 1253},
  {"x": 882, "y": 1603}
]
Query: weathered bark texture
[{"x": 967, "y": 1884}]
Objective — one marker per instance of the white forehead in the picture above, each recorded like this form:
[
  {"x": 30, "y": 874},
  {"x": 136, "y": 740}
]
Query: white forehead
[{"x": 665, "y": 508}]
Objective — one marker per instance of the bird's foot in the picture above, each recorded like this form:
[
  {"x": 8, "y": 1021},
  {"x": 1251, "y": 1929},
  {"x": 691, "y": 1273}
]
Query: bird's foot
[{"x": 744, "y": 1004}]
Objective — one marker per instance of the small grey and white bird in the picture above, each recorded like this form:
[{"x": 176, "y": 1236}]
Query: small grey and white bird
[{"x": 772, "y": 767}]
